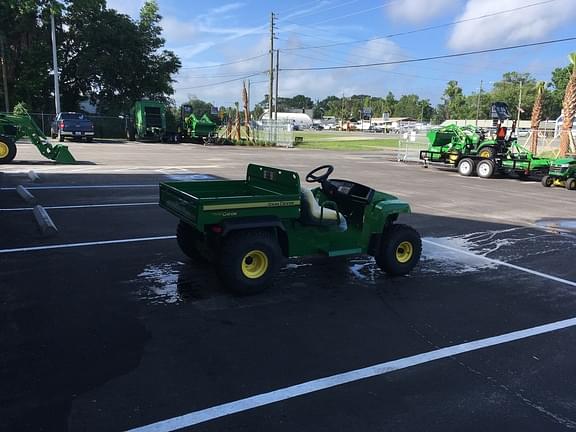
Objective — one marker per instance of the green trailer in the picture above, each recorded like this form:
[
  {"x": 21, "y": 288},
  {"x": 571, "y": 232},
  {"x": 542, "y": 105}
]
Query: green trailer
[
  {"x": 146, "y": 121},
  {"x": 562, "y": 173},
  {"x": 248, "y": 227},
  {"x": 14, "y": 127}
]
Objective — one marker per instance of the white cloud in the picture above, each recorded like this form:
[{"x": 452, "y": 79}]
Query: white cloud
[
  {"x": 128, "y": 7},
  {"x": 525, "y": 25},
  {"x": 379, "y": 50},
  {"x": 417, "y": 11}
]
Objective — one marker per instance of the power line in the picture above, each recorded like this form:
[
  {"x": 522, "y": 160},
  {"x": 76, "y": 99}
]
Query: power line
[
  {"x": 226, "y": 64},
  {"x": 422, "y": 29},
  {"x": 221, "y": 82},
  {"x": 422, "y": 59},
  {"x": 220, "y": 76}
]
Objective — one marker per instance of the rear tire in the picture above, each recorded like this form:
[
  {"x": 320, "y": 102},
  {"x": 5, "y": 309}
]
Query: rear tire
[
  {"x": 571, "y": 184},
  {"x": 188, "y": 239},
  {"x": 249, "y": 261},
  {"x": 7, "y": 150},
  {"x": 60, "y": 136},
  {"x": 485, "y": 168},
  {"x": 88, "y": 139},
  {"x": 400, "y": 250},
  {"x": 466, "y": 167},
  {"x": 547, "y": 181},
  {"x": 487, "y": 152}
]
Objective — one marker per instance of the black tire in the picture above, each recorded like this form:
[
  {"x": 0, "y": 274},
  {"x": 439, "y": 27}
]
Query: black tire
[
  {"x": 466, "y": 167},
  {"x": 485, "y": 168},
  {"x": 238, "y": 252},
  {"x": 487, "y": 152},
  {"x": 130, "y": 134},
  {"x": 7, "y": 150},
  {"x": 547, "y": 181},
  {"x": 570, "y": 184},
  {"x": 394, "y": 257},
  {"x": 88, "y": 139},
  {"x": 188, "y": 238},
  {"x": 60, "y": 136}
]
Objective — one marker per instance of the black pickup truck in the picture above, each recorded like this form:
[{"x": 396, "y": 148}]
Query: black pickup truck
[{"x": 72, "y": 125}]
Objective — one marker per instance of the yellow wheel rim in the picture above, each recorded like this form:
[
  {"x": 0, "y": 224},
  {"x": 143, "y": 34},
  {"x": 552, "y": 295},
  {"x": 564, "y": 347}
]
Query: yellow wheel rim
[
  {"x": 485, "y": 154},
  {"x": 254, "y": 264},
  {"x": 404, "y": 252},
  {"x": 4, "y": 150}
]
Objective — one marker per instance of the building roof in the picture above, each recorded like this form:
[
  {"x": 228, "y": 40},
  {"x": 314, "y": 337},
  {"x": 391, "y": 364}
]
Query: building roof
[{"x": 297, "y": 117}]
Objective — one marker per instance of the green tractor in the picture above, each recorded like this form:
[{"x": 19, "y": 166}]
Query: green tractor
[
  {"x": 14, "y": 127},
  {"x": 146, "y": 121},
  {"x": 470, "y": 150},
  {"x": 193, "y": 128},
  {"x": 249, "y": 227},
  {"x": 562, "y": 173}
]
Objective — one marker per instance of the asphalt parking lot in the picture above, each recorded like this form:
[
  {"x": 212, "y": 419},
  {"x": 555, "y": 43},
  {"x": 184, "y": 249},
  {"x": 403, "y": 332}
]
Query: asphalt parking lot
[{"x": 106, "y": 325}]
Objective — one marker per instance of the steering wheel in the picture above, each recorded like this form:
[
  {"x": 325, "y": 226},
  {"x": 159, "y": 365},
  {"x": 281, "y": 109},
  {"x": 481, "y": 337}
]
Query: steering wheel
[{"x": 312, "y": 178}]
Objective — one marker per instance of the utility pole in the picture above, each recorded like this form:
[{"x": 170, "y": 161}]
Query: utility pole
[
  {"x": 277, "y": 72},
  {"x": 4, "y": 77},
  {"x": 271, "y": 88},
  {"x": 55, "y": 63},
  {"x": 478, "y": 103},
  {"x": 342, "y": 113},
  {"x": 519, "y": 108}
]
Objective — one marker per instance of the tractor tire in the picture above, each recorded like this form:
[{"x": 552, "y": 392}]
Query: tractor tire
[
  {"x": 60, "y": 136},
  {"x": 570, "y": 184},
  {"x": 466, "y": 167},
  {"x": 485, "y": 168},
  {"x": 249, "y": 261},
  {"x": 487, "y": 152},
  {"x": 547, "y": 181},
  {"x": 188, "y": 238},
  {"x": 400, "y": 250},
  {"x": 7, "y": 150}
]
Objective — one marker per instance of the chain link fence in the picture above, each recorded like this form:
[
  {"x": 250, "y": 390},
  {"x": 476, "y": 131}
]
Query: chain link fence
[
  {"x": 274, "y": 132},
  {"x": 409, "y": 147}
]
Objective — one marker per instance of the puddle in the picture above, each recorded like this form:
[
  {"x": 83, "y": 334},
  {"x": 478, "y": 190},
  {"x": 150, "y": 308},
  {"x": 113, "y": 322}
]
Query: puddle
[
  {"x": 192, "y": 177},
  {"x": 558, "y": 224},
  {"x": 439, "y": 260},
  {"x": 161, "y": 283}
]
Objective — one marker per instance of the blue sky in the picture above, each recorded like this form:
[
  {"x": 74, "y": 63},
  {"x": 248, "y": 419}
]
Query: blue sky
[{"x": 205, "y": 34}]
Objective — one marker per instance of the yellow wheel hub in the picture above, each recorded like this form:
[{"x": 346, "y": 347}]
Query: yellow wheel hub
[
  {"x": 254, "y": 264},
  {"x": 485, "y": 154},
  {"x": 404, "y": 252},
  {"x": 4, "y": 150}
]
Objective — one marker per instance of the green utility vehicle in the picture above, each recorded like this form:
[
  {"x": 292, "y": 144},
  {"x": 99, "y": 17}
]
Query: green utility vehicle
[
  {"x": 562, "y": 173},
  {"x": 146, "y": 121},
  {"x": 248, "y": 227},
  {"x": 15, "y": 127}
]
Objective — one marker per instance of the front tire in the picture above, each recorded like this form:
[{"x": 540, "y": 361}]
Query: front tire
[
  {"x": 400, "y": 250},
  {"x": 487, "y": 152},
  {"x": 466, "y": 167},
  {"x": 7, "y": 150},
  {"x": 485, "y": 168},
  {"x": 249, "y": 261},
  {"x": 571, "y": 184},
  {"x": 547, "y": 181}
]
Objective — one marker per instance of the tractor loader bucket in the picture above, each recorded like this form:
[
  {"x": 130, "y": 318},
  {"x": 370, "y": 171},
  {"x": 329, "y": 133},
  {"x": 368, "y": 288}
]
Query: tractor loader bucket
[{"x": 61, "y": 154}]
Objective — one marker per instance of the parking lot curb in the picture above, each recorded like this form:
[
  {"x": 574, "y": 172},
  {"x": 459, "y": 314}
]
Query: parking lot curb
[
  {"x": 26, "y": 195},
  {"x": 44, "y": 221},
  {"x": 33, "y": 175}
]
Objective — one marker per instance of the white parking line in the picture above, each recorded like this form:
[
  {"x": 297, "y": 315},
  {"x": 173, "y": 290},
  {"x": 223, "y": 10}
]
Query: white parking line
[
  {"x": 81, "y": 206},
  {"x": 285, "y": 393},
  {"x": 94, "y": 243},
  {"x": 503, "y": 263},
  {"x": 86, "y": 187}
]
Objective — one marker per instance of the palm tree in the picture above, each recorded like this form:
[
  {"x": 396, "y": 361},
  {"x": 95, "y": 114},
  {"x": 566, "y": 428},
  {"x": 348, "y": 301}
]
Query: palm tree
[
  {"x": 537, "y": 116},
  {"x": 568, "y": 109}
]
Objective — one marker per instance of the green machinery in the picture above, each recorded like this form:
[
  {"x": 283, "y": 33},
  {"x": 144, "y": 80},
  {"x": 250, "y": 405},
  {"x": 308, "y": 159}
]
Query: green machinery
[
  {"x": 195, "y": 128},
  {"x": 562, "y": 173},
  {"x": 470, "y": 150},
  {"x": 248, "y": 227},
  {"x": 146, "y": 121},
  {"x": 14, "y": 127}
]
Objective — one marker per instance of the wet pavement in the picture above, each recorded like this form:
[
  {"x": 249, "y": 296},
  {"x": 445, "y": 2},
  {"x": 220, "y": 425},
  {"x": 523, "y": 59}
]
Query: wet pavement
[{"x": 106, "y": 337}]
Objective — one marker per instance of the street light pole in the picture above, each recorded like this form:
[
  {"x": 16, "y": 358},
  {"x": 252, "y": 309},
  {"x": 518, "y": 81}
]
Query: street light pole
[
  {"x": 478, "y": 104},
  {"x": 55, "y": 63}
]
